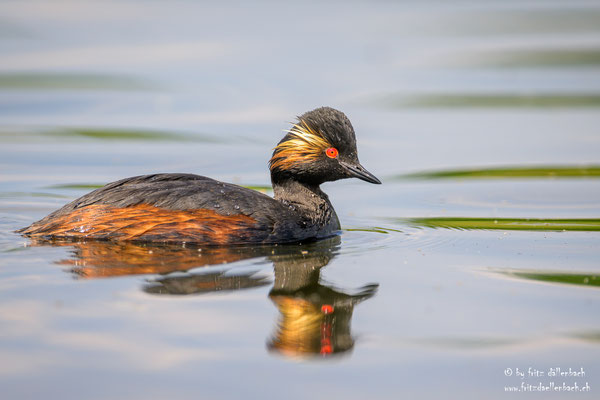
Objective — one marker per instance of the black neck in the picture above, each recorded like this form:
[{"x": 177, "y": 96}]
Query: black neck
[
  {"x": 298, "y": 193},
  {"x": 309, "y": 200}
]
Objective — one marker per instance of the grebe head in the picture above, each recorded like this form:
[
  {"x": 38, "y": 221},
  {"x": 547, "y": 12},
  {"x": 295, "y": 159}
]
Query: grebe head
[{"x": 320, "y": 147}]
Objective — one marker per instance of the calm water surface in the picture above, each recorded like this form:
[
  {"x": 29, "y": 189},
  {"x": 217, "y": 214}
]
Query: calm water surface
[{"x": 477, "y": 256}]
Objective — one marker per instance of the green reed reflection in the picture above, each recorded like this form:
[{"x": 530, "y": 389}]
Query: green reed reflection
[
  {"x": 519, "y": 224},
  {"x": 375, "y": 229},
  {"x": 557, "y": 277}
]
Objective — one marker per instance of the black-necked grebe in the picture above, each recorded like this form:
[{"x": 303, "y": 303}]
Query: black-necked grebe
[{"x": 320, "y": 147}]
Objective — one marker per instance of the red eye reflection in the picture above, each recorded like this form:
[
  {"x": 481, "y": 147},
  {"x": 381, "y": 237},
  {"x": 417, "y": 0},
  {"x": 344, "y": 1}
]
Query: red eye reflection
[{"x": 331, "y": 152}]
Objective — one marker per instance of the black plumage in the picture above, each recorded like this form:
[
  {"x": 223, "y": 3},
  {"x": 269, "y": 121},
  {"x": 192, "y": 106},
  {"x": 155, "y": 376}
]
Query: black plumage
[{"x": 192, "y": 208}]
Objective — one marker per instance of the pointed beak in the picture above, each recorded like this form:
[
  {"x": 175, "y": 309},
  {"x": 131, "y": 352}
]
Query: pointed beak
[{"x": 358, "y": 171}]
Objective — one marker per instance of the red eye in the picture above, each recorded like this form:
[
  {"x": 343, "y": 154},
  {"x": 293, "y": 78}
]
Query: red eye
[{"x": 331, "y": 152}]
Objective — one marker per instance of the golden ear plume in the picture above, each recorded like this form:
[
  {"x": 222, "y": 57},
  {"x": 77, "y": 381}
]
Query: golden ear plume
[{"x": 304, "y": 145}]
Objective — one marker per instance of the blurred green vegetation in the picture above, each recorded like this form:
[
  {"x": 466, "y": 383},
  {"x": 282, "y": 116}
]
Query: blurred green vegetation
[
  {"x": 490, "y": 100},
  {"x": 76, "y": 186},
  {"x": 132, "y": 135},
  {"x": 91, "y": 186},
  {"x": 540, "y": 58},
  {"x": 590, "y": 171},
  {"x": 32, "y": 194},
  {"x": 70, "y": 81},
  {"x": 259, "y": 188},
  {"x": 589, "y": 336}
]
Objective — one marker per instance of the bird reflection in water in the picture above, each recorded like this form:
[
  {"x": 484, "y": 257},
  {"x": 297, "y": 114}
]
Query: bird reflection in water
[{"x": 314, "y": 316}]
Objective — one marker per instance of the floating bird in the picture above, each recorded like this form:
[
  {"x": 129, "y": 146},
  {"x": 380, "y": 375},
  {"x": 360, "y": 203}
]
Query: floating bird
[{"x": 187, "y": 208}]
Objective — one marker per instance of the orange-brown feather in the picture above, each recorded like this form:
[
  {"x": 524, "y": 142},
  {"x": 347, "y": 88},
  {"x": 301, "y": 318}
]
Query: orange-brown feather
[
  {"x": 146, "y": 222},
  {"x": 304, "y": 145}
]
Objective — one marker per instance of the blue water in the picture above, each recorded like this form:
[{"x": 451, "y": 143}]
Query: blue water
[{"x": 208, "y": 88}]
